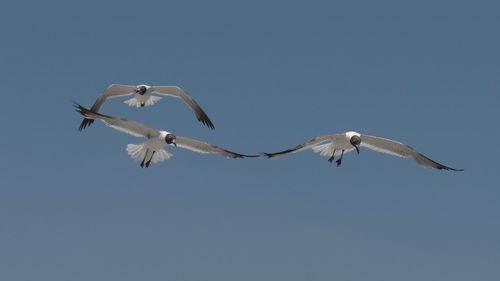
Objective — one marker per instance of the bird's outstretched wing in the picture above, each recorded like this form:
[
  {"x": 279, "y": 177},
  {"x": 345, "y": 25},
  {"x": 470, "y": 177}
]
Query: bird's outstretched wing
[
  {"x": 204, "y": 147},
  {"x": 177, "y": 92},
  {"x": 308, "y": 144},
  {"x": 399, "y": 149},
  {"x": 113, "y": 91},
  {"x": 124, "y": 125}
]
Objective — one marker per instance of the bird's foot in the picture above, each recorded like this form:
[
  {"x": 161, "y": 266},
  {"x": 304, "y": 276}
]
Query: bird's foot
[
  {"x": 339, "y": 162},
  {"x": 149, "y": 162},
  {"x": 331, "y": 159}
]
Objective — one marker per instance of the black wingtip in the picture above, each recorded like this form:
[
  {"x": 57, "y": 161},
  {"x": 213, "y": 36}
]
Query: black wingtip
[
  {"x": 255, "y": 155},
  {"x": 237, "y": 155},
  {"x": 206, "y": 121},
  {"x": 278, "y": 154},
  {"x": 82, "y": 110},
  {"x": 85, "y": 123},
  {"x": 78, "y": 106},
  {"x": 203, "y": 118},
  {"x": 434, "y": 164},
  {"x": 451, "y": 169}
]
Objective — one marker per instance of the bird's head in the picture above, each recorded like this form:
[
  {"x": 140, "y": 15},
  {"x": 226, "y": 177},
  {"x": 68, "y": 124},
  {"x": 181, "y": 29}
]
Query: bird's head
[
  {"x": 170, "y": 139},
  {"x": 355, "y": 141},
  {"x": 141, "y": 89}
]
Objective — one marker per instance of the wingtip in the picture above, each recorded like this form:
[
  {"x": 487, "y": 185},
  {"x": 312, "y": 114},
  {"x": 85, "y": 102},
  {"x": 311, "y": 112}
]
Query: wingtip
[
  {"x": 205, "y": 121},
  {"x": 77, "y": 106},
  {"x": 82, "y": 110},
  {"x": 278, "y": 154},
  {"x": 85, "y": 123},
  {"x": 255, "y": 155},
  {"x": 426, "y": 161},
  {"x": 443, "y": 167},
  {"x": 237, "y": 155}
]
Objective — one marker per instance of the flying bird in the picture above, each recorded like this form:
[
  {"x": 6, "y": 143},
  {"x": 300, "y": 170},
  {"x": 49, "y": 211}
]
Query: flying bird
[
  {"x": 143, "y": 97},
  {"x": 152, "y": 150},
  {"x": 336, "y": 144}
]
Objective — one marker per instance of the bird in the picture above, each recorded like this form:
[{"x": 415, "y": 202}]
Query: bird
[
  {"x": 152, "y": 150},
  {"x": 334, "y": 144},
  {"x": 143, "y": 97}
]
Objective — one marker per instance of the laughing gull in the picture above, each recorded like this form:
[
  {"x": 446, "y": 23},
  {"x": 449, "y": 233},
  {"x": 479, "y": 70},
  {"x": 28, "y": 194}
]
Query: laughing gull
[
  {"x": 143, "y": 98},
  {"x": 152, "y": 151},
  {"x": 335, "y": 144}
]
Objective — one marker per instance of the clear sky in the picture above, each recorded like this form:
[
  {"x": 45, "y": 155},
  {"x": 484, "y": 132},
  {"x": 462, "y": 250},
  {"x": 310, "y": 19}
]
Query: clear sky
[{"x": 74, "y": 206}]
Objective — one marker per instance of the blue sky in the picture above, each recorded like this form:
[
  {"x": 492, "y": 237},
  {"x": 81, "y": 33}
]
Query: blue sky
[{"x": 74, "y": 206}]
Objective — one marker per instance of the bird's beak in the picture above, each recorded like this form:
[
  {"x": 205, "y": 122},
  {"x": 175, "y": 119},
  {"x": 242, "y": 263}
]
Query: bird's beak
[
  {"x": 175, "y": 144},
  {"x": 357, "y": 149}
]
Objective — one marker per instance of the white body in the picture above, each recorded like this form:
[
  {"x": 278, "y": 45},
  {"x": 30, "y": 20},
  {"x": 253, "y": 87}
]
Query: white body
[
  {"x": 143, "y": 100},
  {"x": 150, "y": 149},
  {"x": 337, "y": 145}
]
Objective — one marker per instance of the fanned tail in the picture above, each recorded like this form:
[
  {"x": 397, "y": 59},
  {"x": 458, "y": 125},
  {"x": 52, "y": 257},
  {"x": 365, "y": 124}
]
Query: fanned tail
[
  {"x": 152, "y": 100},
  {"x": 161, "y": 155},
  {"x": 146, "y": 155},
  {"x": 133, "y": 102},
  {"x": 136, "y": 103}
]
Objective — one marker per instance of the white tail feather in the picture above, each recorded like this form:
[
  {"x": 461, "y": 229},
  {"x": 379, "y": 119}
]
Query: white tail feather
[
  {"x": 161, "y": 155},
  {"x": 138, "y": 152},
  {"x": 133, "y": 102},
  {"x": 136, "y": 101},
  {"x": 152, "y": 100}
]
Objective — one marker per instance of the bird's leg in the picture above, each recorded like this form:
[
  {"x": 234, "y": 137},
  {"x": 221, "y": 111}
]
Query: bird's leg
[
  {"x": 332, "y": 157},
  {"x": 339, "y": 161},
  {"x": 152, "y": 154},
  {"x": 145, "y": 154}
]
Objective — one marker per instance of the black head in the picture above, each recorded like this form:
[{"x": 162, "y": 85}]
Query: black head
[
  {"x": 355, "y": 141},
  {"x": 141, "y": 90},
  {"x": 170, "y": 139}
]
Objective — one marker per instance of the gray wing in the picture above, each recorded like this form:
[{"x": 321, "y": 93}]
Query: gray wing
[
  {"x": 204, "y": 147},
  {"x": 399, "y": 149},
  {"x": 113, "y": 91},
  {"x": 177, "y": 92},
  {"x": 308, "y": 144},
  {"x": 127, "y": 126}
]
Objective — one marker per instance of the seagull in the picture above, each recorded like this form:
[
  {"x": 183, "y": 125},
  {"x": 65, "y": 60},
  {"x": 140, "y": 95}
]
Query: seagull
[
  {"x": 143, "y": 97},
  {"x": 335, "y": 144},
  {"x": 152, "y": 151}
]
